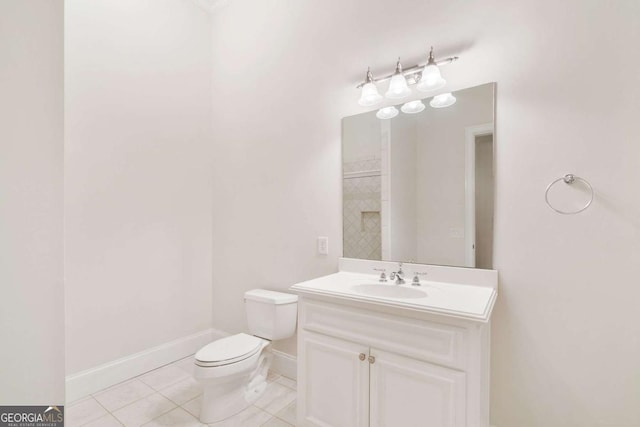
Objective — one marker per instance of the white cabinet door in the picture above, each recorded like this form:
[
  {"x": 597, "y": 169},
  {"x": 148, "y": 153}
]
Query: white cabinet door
[
  {"x": 407, "y": 392},
  {"x": 333, "y": 382}
]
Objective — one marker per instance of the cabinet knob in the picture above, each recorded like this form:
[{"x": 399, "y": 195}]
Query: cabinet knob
[
  {"x": 362, "y": 356},
  {"x": 372, "y": 359}
]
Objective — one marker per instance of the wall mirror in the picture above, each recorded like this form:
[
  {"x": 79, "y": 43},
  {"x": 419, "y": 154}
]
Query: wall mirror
[{"x": 419, "y": 187}]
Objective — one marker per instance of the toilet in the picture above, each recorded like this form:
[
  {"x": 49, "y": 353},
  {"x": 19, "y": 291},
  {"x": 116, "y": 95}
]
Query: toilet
[{"x": 233, "y": 370}]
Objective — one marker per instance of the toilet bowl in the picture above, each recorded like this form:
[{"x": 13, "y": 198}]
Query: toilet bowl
[{"x": 233, "y": 370}]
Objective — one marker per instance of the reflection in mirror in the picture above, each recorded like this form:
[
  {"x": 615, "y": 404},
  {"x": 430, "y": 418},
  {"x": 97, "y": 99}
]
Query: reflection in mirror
[{"x": 420, "y": 187}]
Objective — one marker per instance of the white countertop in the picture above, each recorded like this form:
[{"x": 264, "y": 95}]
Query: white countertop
[{"x": 452, "y": 299}]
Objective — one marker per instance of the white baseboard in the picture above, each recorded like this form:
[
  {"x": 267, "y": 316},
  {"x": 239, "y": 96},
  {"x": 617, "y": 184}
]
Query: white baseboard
[
  {"x": 285, "y": 364},
  {"x": 83, "y": 383}
]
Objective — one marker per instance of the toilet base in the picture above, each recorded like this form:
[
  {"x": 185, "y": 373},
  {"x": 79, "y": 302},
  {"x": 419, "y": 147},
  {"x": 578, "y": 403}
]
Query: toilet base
[{"x": 225, "y": 397}]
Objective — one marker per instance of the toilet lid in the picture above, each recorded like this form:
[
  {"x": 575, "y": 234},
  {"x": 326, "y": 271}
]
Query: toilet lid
[{"x": 234, "y": 348}]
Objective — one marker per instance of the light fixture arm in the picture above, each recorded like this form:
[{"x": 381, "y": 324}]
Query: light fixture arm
[
  {"x": 411, "y": 70},
  {"x": 431, "y": 60},
  {"x": 398, "y": 67},
  {"x": 369, "y": 77}
]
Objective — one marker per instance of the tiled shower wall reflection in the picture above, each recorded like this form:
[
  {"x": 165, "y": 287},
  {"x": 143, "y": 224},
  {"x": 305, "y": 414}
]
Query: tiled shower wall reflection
[{"x": 361, "y": 198}]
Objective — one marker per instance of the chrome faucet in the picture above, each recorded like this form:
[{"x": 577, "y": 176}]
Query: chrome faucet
[{"x": 398, "y": 276}]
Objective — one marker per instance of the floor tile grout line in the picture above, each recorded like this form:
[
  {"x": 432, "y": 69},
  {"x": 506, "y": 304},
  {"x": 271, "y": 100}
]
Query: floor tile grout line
[
  {"x": 183, "y": 405},
  {"x": 283, "y": 420},
  {"x": 176, "y": 405},
  {"x": 278, "y": 418},
  {"x": 100, "y": 405},
  {"x": 262, "y": 410},
  {"x": 137, "y": 377},
  {"x": 155, "y": 391},
  {"x": 142, "y": 398},
  {"x": 166, "y": 386},
  {"x": 290, "y": 404},
  {"x": 68, "y": 405},
  {"x": 290, "y": 388},
  {"x": 128, "y": 404},
  {"x": 271, "y": 413},
  {"x": 116, "y": 385},
  {"x": 166, "y": 412}
]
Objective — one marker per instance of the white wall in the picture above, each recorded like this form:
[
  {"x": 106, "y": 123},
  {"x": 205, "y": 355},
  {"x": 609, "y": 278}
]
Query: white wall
[
  {"x": 138, "y": 201},
  {"x": 565, "y": 334},
  {"x": 31, "y": 170}
]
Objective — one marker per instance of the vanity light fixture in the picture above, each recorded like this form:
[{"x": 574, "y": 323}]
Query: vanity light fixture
[
  {"x": 413, "y": 107},
  {"x": 387, "y": 113},
  {"x": 370, "y": 95},
  {"x": 431, "y": 79},
  {"x": 427, "y": 77},
  {"x": 443, "y": 100},
  {"x": 398, "y": 87}
]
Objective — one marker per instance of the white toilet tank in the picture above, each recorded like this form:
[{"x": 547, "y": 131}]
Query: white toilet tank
[{"x": 271, "y": 315}]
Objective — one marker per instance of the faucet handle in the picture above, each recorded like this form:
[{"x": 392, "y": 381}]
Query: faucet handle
[
  {"x": 383, "y": 275},
  {"x": 416, "y": 279}
]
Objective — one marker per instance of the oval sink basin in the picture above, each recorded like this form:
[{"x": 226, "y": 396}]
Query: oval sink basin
[{"x": 388, "y": 291}]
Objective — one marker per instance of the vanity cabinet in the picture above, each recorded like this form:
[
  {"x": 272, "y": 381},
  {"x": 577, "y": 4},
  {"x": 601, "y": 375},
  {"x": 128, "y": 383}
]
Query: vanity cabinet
[
  {"x": 409, "y": 392},
  {"x": 365, "y": 365},
  {"x": 337, "y": 374}
]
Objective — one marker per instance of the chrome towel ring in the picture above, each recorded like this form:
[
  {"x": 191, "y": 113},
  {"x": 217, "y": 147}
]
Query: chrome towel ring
[{"x": 569, "y": 179}]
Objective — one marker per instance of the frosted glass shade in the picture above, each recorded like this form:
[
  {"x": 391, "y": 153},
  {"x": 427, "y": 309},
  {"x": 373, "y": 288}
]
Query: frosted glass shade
[
  {"x": 398, "y": 87},
  {"x": 370, "y": 95},
  {"x": 431, "y": 79},
  {"x": 387, "y": 113},
  {"x": 413, "y": 107},
  {"x": 442, "y": 101}
]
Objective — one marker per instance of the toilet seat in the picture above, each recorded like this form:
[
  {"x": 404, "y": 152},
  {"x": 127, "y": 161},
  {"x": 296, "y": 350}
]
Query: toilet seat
[{"x": 229, "y": 350}]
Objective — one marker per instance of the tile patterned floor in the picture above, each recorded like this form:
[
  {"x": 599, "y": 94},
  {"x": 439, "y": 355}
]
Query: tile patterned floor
[{"x": 169, "y": 396}]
